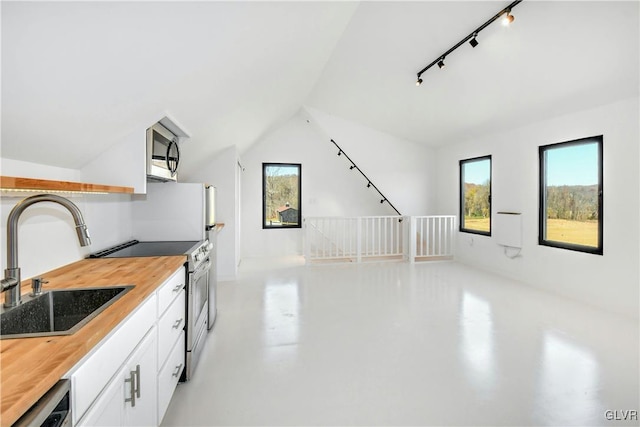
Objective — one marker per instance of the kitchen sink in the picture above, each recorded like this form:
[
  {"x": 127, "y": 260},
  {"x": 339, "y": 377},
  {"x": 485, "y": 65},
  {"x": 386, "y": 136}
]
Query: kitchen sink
[{"x": 57, "y": 312}]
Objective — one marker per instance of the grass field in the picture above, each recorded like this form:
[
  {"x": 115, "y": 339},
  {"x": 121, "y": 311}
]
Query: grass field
[
  {"x": 479, "y": 224},
  {"x": 577, "y": 232},
  {"x": 558, "y": 230}
]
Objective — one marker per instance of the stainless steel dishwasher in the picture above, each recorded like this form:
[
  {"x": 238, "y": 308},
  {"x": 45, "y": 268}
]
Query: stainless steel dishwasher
[{"x": 52, "y": 410}]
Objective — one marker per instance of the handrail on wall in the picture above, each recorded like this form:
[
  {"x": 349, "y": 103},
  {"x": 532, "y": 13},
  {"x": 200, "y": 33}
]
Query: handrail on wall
[{"x": 369, "y": 183}]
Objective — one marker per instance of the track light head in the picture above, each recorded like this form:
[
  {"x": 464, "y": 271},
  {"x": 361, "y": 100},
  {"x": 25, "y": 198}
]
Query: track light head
[
  {"x": 473, "y": 42},
  {"x": 352, "y": 167},
  {"x": 382, "y": 201},
  {"x": 340, "y": 153},
  {"x": 368, "y": 185},
  {"x": 508, "y": 18},
  {"x": 503, "y": 15}
]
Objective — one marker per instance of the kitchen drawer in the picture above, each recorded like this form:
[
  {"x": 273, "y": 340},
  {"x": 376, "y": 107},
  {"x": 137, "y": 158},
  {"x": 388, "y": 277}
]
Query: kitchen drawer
[
  {"x": 170, "y": 290},
  {"x": 93, "y": 374},
  {"x": 169, "y": 375},
  {"x": 170, "y": 325}
]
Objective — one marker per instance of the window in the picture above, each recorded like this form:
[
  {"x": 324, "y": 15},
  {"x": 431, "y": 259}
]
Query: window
[
  {"x": 281, "y": 198},
  {"x": 571, "y": 195},
  {"x": 475, "y": 195}
]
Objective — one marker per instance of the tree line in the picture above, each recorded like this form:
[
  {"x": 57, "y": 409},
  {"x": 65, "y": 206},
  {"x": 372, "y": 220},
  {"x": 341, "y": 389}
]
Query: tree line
[{"x": 571, "y": 202}]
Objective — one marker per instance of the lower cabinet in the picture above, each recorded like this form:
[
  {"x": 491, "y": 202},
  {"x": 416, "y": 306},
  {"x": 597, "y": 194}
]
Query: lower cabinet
[
  {"x": 171, "y": 350},
  {"x": 169, "y": 375},
  {"x": 130, "y": 398},
  {"x": 130, "y": 377}
]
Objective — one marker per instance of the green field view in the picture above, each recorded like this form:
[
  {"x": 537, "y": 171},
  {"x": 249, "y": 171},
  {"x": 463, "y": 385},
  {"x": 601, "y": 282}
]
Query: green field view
[
  {"x": 583, "y": 233},
  {"x": 474, "y": 223},
  {"x": 558, "y": 230}
]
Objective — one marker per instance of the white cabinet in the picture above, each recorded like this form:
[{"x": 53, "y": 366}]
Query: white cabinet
[
  {"x": 130, "y": 154},
  {"x": 92, "y": 374},
  {"x": 130, "y": 398},
  {"x": 170, "y": 325},
  {"x": 171, "y": 339},
  {"x": 169, "y": 375},
  {"x": 129, "y": 378},
  {"x": 141, "y": 380},
  {"x": 170, "y": 290}
]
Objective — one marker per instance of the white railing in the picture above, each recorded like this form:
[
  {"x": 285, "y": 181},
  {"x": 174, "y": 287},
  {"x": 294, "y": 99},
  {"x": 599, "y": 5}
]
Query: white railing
[
  {"x": 431, "y": 236},
  {"x": 328, "y": 238},
  {"x": 378, "y": 237}
]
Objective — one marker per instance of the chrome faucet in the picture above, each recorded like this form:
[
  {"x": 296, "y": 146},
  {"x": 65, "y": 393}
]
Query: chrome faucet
[{"x": 11, "y": 282}]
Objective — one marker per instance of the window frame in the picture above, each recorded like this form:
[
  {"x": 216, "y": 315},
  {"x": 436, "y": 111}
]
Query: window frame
[
  {"x": 461, "y": 227},
  {"x": 542, "y": 207},
  {"x": 265, "y": 165}
]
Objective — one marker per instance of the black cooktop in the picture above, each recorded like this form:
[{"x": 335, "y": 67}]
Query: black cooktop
[{"x": 135, "y": 248}]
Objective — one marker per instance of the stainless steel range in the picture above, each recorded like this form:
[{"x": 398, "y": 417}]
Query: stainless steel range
[{"x": 197, "y": 269}]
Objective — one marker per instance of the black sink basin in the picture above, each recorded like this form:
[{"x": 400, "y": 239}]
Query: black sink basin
[{"x": 58, "y": 312}]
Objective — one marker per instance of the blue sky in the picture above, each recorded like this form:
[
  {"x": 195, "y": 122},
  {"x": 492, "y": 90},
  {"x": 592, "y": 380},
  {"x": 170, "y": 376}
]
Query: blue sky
[
  {"x": 477, "y": 172},
  {"x": 566, "y": 165},
  {"x": 282, "y": 170},
  {"x": 573, "y": 165}
]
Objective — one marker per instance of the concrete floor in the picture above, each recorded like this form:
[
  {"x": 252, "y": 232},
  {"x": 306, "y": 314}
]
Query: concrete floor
[{"x": 399, "y": 344}]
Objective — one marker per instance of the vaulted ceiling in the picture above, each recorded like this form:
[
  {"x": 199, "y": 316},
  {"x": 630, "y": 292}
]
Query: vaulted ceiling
[{"x": 77, "y": 76}]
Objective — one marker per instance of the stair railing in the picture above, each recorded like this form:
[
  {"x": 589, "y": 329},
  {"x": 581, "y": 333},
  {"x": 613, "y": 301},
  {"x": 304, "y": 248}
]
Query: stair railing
[
  {"x": 353, "y": 238},
  {"x": 379, "y": 237}
]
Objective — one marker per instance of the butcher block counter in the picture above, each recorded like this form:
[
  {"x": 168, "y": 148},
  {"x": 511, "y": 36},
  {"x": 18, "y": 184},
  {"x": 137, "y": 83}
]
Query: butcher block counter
[{"x": 31, "y": 366}]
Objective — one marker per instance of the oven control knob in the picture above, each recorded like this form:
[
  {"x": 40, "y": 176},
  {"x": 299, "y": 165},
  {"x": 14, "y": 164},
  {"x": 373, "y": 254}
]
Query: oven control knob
[
  {"x": 197, "y": 257},
  {"x": 210, "y": 246}
]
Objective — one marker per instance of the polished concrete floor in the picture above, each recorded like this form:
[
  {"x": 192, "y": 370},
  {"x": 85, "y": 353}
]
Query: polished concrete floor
[{"x": 399, "y": 344}]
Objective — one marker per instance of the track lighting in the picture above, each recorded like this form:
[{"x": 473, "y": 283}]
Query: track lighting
[
  {"x": 473, "y": 42},
  {"x": 368, "y": 181},
  {"x": 507, "y": 18}
]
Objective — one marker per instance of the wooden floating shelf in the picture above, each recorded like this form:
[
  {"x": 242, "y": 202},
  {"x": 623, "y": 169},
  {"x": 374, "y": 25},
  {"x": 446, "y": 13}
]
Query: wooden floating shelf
[{"x": 10, "y": 183}]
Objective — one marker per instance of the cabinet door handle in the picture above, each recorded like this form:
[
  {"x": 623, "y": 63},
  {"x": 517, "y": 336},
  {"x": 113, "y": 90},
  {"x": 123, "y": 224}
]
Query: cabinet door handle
[
  {"x": 132, "y": 388},
  {"x": 138, "y": 382},
  {"x": 178, "y": 323},
  {"x": 177, "y": 371},
  {"x": 177, "y": 288}
]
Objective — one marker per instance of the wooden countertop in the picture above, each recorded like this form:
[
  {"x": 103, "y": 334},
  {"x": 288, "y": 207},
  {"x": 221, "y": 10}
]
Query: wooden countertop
[{"x": 31, "y": 366}]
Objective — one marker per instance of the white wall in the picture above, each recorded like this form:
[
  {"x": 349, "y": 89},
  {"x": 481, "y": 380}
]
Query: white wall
[
  {"x": 122, "y": 164},
  {"x": 47, "y": 236},
  {"x": 10, "y": 167},
  {"x": 221, "y": 172},
  {"x": 610, "y": 281},
  {"x": 402, "y": 170}
]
